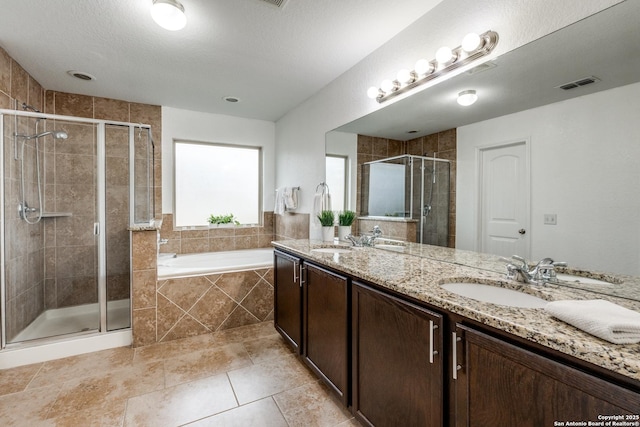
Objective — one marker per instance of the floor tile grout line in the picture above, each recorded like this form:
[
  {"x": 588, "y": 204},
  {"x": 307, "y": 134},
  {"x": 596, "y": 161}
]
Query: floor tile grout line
[{"x": 26, "y": 387}]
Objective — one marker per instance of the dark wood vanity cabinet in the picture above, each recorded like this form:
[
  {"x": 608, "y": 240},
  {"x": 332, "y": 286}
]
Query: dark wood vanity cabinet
[
  {"x": 287, "y": 314},
  {"x": 502, "y": 384},
  {"x": 397, "y": 361},
  {"x": 326, "y": 327}
]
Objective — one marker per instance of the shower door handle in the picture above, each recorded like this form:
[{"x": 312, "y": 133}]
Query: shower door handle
[{"x": 96, "y": 228}]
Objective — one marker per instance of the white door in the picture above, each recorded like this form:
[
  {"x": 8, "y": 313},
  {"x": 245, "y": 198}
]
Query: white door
[{"x": 504, "y": 200}]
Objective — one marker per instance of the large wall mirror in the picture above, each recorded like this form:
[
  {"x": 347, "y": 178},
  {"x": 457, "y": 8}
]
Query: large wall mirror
[{"x": 582, "y": 145}]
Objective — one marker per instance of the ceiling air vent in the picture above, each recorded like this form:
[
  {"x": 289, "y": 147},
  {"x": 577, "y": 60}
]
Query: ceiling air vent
[
  {"x": 578, "y": 83},
  {"x": 277, "y": 3}
]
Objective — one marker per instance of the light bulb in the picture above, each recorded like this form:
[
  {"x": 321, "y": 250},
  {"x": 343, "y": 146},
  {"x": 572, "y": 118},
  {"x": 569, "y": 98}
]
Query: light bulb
[
  {"x": 471, "y": 42},
  {"x": 423, "y": 67},
  {"x": 467, "y": 97},
  {"x": 405, "y": 76},
  {"x": 373, "y": 92},
  {"x": 444, "y": 55},
  {"x": 387, "y": 85},
  {"x": 169, "y": 14}
]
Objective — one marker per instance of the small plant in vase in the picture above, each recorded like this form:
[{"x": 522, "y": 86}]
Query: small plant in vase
[
  {"x": 327, "y": 219},
  {"x": 345, "y": 220},
  {"x": 218, "y": 220}
]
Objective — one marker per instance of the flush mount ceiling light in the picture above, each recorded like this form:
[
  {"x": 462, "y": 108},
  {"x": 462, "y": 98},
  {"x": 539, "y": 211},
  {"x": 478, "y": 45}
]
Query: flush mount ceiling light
[
  {"x": 467, "y": 97},
  {"x": 169, "y": 14},
  {"x": 473, "y": 46}
]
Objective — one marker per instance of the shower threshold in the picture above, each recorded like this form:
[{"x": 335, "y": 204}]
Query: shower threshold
[{"x": 80, "y": 318}]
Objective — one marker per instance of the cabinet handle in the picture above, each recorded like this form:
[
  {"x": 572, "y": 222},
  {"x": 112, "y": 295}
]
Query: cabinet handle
[
  {"x": 295, "y": 270},
  {"x": 301, "y": 276},
  {"x": 432, "y": 353},
  {"x": 454, "y": 354}
]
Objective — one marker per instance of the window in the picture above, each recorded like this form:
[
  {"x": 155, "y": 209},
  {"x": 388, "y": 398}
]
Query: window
[
  {"x": 216, "y": 179},
  {"x": 336, "y": 179}
]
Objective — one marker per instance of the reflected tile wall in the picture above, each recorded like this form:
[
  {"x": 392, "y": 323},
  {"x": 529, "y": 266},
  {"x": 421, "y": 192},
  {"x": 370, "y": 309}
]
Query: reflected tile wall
[{"x": 442, "y": 144}]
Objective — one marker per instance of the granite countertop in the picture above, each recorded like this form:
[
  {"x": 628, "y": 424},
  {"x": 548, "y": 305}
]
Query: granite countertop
[{"x": 417, "y": 275}]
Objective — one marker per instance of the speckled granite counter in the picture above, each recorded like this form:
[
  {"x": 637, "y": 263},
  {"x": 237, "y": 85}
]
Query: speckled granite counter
[{"x": 420, "y": 276}]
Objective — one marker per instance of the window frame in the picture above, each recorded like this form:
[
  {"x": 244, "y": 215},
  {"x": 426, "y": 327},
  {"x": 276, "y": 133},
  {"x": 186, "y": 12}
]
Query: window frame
[
  {"x": 347, "y": 174},
  {"x": 258, "y": 148}
]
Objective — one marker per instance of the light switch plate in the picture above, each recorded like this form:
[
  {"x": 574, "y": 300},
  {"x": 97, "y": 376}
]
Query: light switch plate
[{"x": 550, "y": 219}]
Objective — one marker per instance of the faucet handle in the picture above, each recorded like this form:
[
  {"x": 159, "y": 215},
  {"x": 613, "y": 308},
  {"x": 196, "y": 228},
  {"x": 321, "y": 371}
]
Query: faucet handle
[
  {"x": 524, "y": 262},
  {"x": 376, "y": 231}
]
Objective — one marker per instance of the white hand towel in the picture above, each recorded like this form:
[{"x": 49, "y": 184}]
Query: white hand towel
[
  {"x": 321, "y": 202},
  {"x": 290, "y": 198},
  {"x": 279, "y": 207},
  {"x": 601, "y": 318}
]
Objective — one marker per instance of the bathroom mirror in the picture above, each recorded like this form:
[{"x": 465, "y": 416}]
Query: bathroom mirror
[{"x": 604, "y": 46}]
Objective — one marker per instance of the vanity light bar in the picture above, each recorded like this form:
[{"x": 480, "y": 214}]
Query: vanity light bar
[{"x": 472, "y": 48}]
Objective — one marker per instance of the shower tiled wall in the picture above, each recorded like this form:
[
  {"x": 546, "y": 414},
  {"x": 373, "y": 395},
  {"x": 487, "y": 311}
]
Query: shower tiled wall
[
  {"x": 24, "y": 243},
  {"x": 68, "y": 244}
]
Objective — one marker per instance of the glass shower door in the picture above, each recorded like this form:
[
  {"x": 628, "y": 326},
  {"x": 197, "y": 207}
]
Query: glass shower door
[{"x": 50, "y": 240}]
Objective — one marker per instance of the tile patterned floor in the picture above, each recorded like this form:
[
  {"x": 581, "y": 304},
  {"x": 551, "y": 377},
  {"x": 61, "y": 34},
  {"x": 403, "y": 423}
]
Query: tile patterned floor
[{"x": 240, "y": 377}]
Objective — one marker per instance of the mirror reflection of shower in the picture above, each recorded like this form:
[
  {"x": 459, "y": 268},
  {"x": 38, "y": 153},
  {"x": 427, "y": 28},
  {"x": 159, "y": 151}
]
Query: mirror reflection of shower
[
  {"x": 409, "y": 188},
  {"x": 24, "y": 209}
]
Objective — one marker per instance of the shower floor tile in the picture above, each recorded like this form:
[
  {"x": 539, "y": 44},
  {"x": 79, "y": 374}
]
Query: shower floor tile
[
  {"x": 238, "y": 377},
  {"x": 80, "y": 318}
]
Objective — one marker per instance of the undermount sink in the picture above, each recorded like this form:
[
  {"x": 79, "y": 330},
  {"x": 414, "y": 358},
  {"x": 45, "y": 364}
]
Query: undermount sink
[
  {"x": 579, "y": 279},
  {"x": 332, "y": 250},
  {"x": 495, "y": 295}
]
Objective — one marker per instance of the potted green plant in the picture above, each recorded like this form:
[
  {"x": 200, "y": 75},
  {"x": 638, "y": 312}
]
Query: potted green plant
[
  {"x": 345, "y": 220},
  {"x": 222, "y": 220},
  {"x": 327, "y": 219}
]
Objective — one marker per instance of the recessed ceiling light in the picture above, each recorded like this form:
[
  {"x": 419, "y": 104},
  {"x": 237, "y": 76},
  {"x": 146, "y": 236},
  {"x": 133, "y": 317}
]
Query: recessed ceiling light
[
  {"x": 81, "y": 75},
  {"x": 231, "y": 99}
]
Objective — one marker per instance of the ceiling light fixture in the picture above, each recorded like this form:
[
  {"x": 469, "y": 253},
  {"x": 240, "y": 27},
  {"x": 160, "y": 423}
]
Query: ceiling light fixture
[
  {"x": 169, "y": 14},
  {"x": 473, "y": 46},
  {"x": 467, "y": 97}
]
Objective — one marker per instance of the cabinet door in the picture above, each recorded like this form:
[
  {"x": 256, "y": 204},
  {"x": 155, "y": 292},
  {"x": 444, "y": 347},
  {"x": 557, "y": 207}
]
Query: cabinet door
[
  {"x": 397, "y": 361},
  {"x": 500, "y": 384},
  {"x": 287, "y": 313},
  {"x": 326, "y": 326}
]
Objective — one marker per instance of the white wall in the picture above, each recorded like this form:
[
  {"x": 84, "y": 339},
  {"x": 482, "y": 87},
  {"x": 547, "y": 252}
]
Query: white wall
[
  {"x": 300, "y": 134},
  {"x": 205, "y": 127},
  {"x": 584, "y": 168}
]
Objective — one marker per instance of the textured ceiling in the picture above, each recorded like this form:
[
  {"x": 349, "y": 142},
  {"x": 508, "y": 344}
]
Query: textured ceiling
[{"x": 270, "y": 58}]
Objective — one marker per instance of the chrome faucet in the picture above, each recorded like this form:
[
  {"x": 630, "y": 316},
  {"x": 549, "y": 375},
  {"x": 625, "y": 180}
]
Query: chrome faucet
[
  {"x": 365, "y": 240},
  {"x": 543, "y": 272}
]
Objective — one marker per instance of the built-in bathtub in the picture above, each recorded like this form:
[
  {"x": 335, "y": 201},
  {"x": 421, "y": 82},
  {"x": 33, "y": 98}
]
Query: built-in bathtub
[
  {"x": 189, "y": 265},
  {"x": 208, "y": 292}
]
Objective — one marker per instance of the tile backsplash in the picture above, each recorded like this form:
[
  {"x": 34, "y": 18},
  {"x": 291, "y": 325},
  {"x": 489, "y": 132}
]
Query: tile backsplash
[{"x": 201, "y": 239}]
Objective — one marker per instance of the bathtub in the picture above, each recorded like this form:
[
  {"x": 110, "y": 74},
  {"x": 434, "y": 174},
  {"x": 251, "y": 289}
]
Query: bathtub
[{"x": 188, "y": 265}]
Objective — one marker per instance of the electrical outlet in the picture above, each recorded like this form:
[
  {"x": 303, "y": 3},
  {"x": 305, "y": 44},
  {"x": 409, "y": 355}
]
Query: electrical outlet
[{"x": 550, "y": 219}]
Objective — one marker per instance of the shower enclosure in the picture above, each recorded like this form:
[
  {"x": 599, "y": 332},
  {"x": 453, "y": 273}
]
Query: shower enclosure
[
  {"x": 71, "y": 187},
  {"x": 410, "y": 187}
]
